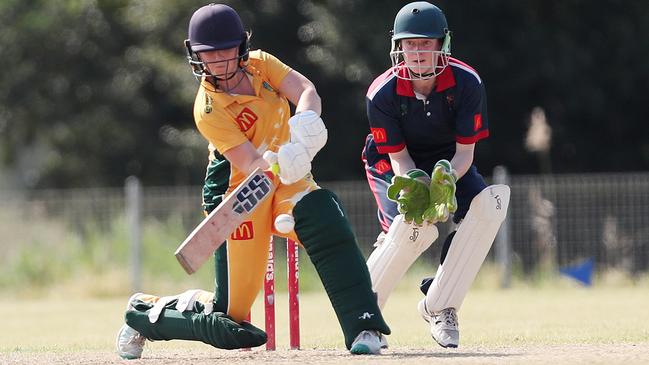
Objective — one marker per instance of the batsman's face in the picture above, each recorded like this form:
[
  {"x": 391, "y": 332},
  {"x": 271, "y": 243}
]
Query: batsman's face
[
  {"x": 222, "y": 62},
  {"x": 420, "y": 54}
]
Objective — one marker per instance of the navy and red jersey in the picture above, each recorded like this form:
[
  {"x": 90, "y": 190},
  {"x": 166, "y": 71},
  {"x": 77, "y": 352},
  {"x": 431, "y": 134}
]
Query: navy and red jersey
[{"x": 455, "y": 111}]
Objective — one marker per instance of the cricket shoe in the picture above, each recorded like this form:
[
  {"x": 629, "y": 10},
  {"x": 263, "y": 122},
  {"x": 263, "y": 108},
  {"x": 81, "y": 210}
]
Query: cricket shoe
[
  {"x": 367, "y": 342},
  {"x": 384, "y": 341},
  {"x": 129, "y": 341},
  {"x": 443, "y": 325},
  {"x": 425, "y": 284}
]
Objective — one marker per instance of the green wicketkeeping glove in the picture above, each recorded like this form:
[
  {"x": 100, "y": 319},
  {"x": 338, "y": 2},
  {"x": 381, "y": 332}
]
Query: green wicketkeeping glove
[
  {"x": 411, "y": 194},
  {"x": 442, "y": 199}
]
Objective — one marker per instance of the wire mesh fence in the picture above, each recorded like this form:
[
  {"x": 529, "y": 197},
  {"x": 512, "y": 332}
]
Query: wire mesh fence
[{"x": 553, "y": 220}]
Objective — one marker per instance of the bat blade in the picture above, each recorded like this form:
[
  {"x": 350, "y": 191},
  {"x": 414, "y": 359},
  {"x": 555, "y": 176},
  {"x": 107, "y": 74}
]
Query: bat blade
[{"x": 210, "y": 234}]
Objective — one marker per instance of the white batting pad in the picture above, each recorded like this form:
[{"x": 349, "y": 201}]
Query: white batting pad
[
  {"x": 393, "y": 257},
  {"x": 468, "y": 249},
  {"x": 308, "y": 129}
]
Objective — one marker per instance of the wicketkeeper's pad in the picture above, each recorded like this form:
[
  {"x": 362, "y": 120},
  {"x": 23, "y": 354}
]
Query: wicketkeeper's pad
[
  {"x": 468, "y": 249},
  {"x": 402, "y": 245}
]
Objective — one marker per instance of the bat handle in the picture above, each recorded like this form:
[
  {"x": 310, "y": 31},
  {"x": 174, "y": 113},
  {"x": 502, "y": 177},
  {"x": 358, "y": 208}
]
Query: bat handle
[{"x": 271, "y": 158}]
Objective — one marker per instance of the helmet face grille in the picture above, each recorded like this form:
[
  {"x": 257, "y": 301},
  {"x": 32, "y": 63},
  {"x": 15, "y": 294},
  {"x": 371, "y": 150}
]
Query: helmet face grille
[
  {"x": 404, "y": 70},
  {"x": 420, "y": 20}
]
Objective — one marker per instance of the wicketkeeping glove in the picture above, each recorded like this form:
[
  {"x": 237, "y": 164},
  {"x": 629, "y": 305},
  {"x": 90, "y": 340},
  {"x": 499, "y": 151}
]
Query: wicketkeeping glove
[
  {"x": 442, "y": 199},
  {"x": 411, "y": 194}
]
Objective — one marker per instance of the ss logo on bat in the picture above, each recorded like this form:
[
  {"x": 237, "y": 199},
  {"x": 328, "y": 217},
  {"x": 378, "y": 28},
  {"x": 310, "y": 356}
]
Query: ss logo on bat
[{"x": 253, "y": 192}]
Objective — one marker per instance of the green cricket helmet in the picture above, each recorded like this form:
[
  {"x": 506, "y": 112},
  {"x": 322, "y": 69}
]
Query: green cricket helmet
[{"x": 420, "y": 19}]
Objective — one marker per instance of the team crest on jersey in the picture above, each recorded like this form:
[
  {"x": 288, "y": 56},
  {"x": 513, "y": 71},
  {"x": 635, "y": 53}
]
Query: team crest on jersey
[
  {"x": 243, "y": 232},
  {"x": 246, "y": 119},
  {"x": 404, "y": 110},
  {"x": 477, "y": 122},
  {"x": 380, "y": 136}
]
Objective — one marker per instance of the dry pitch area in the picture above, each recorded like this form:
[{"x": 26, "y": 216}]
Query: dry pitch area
[
  {"x": 519, "y": 326},
  {"x": 529, "y": 355}
]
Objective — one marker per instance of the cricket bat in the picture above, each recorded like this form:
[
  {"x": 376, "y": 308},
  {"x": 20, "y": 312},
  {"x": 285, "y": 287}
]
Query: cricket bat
[{"x": 208, "y": 236}]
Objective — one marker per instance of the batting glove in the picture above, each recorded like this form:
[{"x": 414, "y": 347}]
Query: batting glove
[
  {"x": 292, "y": 162},
  {"x": 308, "y": 129}
]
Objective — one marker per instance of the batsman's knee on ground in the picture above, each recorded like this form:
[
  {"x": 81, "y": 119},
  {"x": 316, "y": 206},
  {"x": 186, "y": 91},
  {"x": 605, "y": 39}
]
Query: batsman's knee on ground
[{"x": 189, "y": 317}]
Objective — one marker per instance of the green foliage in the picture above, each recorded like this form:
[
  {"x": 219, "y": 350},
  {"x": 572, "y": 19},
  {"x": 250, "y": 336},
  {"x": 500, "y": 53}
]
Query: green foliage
[
  {"x": 94, "y": 91},
  {"x": 88, "y": 96}
]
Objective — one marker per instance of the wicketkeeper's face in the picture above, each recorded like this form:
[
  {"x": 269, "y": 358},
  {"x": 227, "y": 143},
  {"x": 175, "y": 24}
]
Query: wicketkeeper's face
[
  {"x": 221, "y": 63},
  {"x": 421, "y": 54}
]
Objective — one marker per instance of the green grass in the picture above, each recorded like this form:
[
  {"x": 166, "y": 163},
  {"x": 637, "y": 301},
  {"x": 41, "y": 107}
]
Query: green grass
[
  {"x": 64, "y": 291},
  {"x": 490, "y": 318}
]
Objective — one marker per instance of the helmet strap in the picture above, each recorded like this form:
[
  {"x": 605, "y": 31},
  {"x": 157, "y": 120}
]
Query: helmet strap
[{"x": 446, "y": 45}]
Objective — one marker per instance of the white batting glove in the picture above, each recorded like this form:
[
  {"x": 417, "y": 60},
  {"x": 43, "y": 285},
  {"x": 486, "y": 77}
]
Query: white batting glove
[
  {"x": 308, "y": 129},
  {"x": 293, "y": 161}
]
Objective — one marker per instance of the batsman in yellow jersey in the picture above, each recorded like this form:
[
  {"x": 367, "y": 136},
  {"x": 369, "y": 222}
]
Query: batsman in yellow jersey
[{"x": 242, "y": 109}]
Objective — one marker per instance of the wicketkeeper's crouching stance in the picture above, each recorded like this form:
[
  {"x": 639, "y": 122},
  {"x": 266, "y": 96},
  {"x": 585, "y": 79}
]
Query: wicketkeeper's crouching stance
[
  {"x": 429, "y": 107},
  {"x": 242, "y": 109},
  {"x": 413, "y": 231}
]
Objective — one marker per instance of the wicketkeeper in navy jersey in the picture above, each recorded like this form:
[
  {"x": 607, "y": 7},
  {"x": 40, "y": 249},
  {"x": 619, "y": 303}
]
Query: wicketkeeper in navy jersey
[{"x": 426, "y": 113}]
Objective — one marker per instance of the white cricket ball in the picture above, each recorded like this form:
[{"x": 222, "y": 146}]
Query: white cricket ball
[{"x": 284, "y": 223}]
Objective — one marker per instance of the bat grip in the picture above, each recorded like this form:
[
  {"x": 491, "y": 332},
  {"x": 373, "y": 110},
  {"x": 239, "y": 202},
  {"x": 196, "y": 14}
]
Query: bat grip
[{"x": 271, "y": 158}]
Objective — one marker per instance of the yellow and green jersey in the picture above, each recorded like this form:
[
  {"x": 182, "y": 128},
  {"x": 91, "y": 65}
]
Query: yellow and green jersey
[{"x": 228, "y": 120}]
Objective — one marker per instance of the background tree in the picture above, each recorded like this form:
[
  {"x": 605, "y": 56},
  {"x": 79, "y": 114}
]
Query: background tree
[{"x": 94, "y": 91}]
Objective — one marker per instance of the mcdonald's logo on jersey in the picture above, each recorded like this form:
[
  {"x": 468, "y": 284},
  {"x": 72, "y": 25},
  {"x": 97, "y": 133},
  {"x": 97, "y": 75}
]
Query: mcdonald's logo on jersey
[
  {"x": 243, "y": 232},
  {"x": 246, "y": 119},
  {"x": 380, "y": 136},
  {"x": 383, "y": 166}
]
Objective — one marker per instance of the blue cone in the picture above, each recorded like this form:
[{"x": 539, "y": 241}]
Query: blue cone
[{"x": 582, "y": 272}]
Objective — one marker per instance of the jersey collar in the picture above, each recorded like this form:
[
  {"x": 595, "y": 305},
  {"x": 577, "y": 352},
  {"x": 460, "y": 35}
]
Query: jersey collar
[
  {"x": 444, "y": 81},
  {"x": 225, "y": 99}
]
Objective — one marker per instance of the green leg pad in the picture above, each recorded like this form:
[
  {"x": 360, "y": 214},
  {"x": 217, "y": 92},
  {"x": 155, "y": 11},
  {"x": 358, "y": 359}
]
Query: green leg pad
[
  {"x": 327, "y": 237},
  {"x": 214, "y": 329}
]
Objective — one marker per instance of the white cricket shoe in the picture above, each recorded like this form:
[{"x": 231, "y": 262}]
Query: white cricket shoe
[
  {"x": 443, "y": 325},
  {"x": 384, "y": 341},
  {"x": 367, "y": 342},
  {"x": 129, "y": 341}
]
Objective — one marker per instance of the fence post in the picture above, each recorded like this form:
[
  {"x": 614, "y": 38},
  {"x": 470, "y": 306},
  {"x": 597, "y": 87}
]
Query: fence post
[
  {"x": 503, "y": 244},
  {"x": 133, "y": 191}
]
